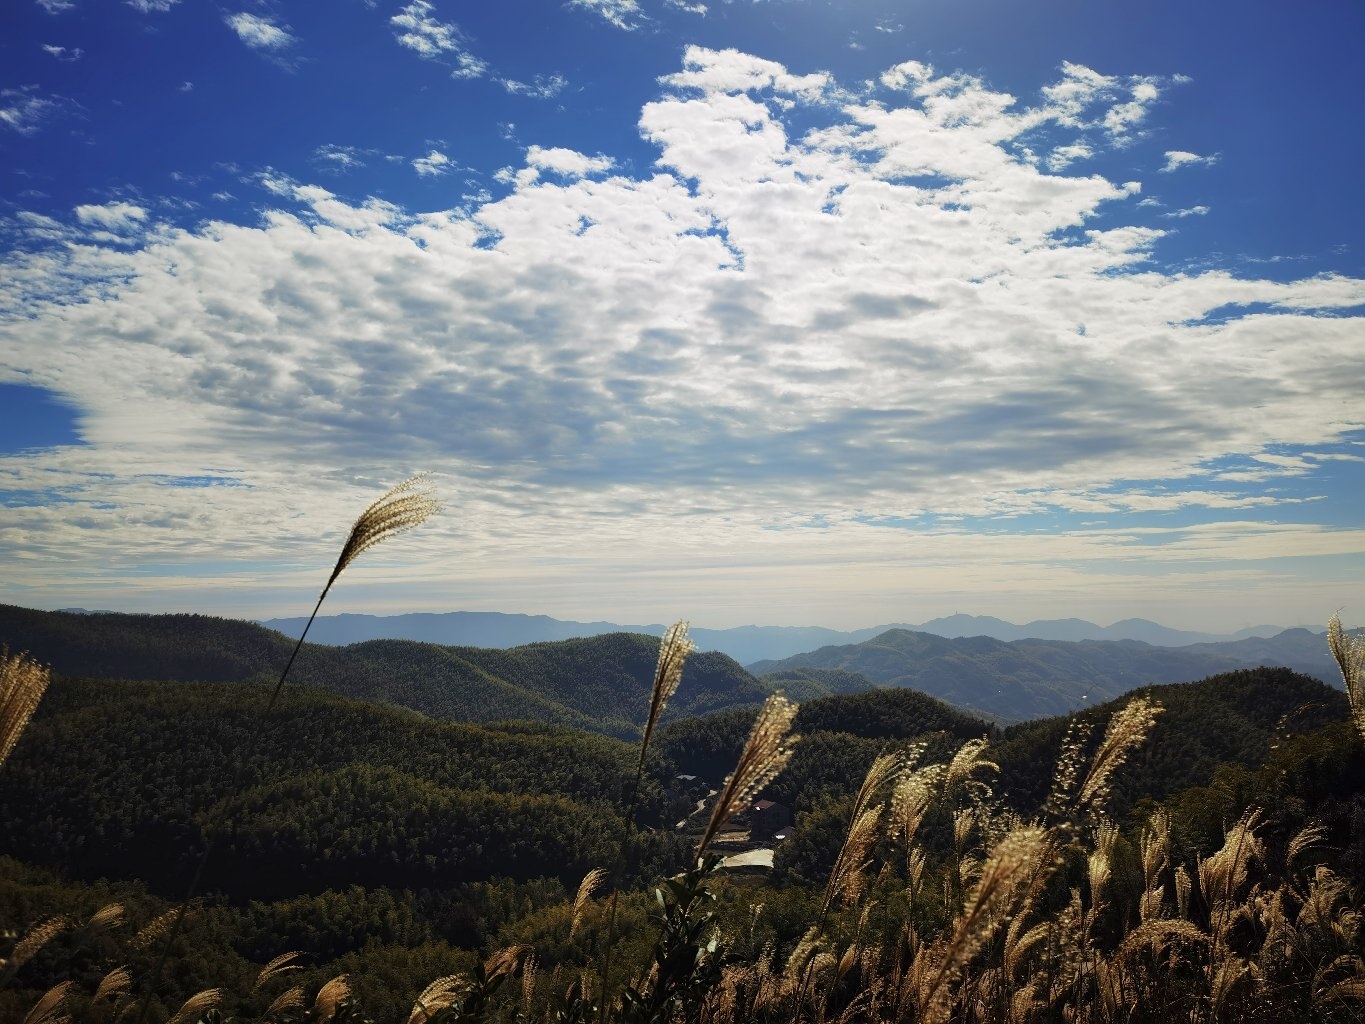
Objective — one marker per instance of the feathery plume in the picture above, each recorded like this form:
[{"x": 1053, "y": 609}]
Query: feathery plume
[
  {"x": 289, "y": 999},
  {"x": 114, "y": 984},
  {"x": 505, "y": 961},
  {"x": 22, "y": 684},
  {"x": 106, "y": 918},
  {"x": 1128, "y": 728},
  {"x": 961, "y": 770},
  {"x": 592, "y": 881},
  {"x": 280, "y": 965},
  {"x": 402, "y": 508},
  {"x": 1069, "y": 762},
  {"x": 48, "y": 1009},
  {"x": 38, "y": 936},
  {"x": 846, "y": 877},
  {"x": 196, "y": 1005},
  {"x": 529, "y": 968},
  {"x": 766, "y": 753},
  {"x": 330, "y": 997},
  {"x": 673, "y": 652},
  {"x": 440, "y": 994},
  {"x": 1349, "y": 652}
]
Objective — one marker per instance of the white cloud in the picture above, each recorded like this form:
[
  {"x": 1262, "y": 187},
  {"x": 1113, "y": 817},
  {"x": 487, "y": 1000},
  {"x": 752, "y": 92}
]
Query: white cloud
[
  {"x": 152, "y": 6},
  {"x": 26, "y": 110},
  {"x": 416, "y": 27},
  {"x": 56, "y": 6},
  {"x": 260, "y": 33},
  {"x": 804, "y": 313},
  {"x": 63, "y": 54},
  {"x": 689, "y": 7},
  {"x": 541, "y": 87},
  {"x": 624, "y": 14},
  {"x": 1177, "y": 158},
  {"x": 433, "y": 164},
  {"x": 338, "y": 158},
  {"x": 1192, "y": 211},
  {"x": 118, "y": 217}
]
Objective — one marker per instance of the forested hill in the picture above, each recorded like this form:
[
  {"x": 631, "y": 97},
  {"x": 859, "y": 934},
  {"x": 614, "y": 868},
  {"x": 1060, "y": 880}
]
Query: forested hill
[
  {"x": 598, "y": 683},
  {"x": 1024, "y": 679}
]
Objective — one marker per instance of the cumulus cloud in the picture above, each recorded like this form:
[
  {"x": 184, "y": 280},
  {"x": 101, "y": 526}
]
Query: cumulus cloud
[
  {"x": 1191, "y": 211},
  {"x": 417, "y": 28},
  {"x": 1178, "y": 158},
  {"x": 433, "y": 164},
  {"x": 116, "y": 216},
  {"x": 260, "y": 33},
  {"x": 806, "y": 322}
]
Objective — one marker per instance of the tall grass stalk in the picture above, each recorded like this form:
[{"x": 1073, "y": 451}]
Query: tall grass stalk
[{"x": 400, "y": 509}]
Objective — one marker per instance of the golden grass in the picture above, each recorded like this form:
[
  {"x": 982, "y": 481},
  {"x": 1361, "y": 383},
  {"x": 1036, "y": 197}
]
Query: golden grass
[{"x": 22, "y": 685}]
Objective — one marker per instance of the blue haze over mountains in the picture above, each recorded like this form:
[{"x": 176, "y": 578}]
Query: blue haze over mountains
[{"x": 746, "y": 644}]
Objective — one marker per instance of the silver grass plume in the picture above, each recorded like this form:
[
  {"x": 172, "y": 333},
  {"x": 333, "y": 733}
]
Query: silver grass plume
[
  {"x": 280, "y": 965},
  {"x": 22, "y": 684},
  {"x": 440, "y": 994},
  {"x": 769, "y": 748},
  {"x": 1349, "y": 652},
  {"x": 403, "y": 507},
  {"x": 50, "y": 1006},
  {"x": 673, "y": 652},
  {"x": 592, "y": 881},
  {"x": 197, "y": 1005},
  {"x": 114, "y": 984},
  {"x": 1128, "y": 728}
]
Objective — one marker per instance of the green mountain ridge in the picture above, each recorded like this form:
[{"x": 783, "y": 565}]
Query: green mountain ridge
[{"x": 1024, "y": 679}]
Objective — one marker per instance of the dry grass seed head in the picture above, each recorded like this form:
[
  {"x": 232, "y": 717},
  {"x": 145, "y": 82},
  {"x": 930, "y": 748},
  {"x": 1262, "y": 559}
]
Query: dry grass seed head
[
  {"x": 289, "y": 999},
  {"x": 107, "y": 918},
  {"x": 438, "y": 995},
  {"x": 50, "y": 1006},
  {"x": 280, "y": 965},
  {"x": 330, "y": 997},
  {"x": 114, "y": 984},
  {"x": 22, "y": 684},
  {"x": 1070, "y": 760},
  {"x": 529, "y": 969},
  {"x": 1127, "y": 729},
  {"x": 673, "y": 652},
  {"x": 960, "y": 775},
  {"x": 505, "y": 961},
  {"x": 1224, "y": 873},
  {"x": 37, "y": 937},
  {"x": 1349, "y": 652},
  {"x": 399, "y": 510},
  {"x": 846, "y": 878},
  {"x": 197, "y": 1005},
  {"x": 587, "y": 888},
  {"x": 769, "y": 748}
]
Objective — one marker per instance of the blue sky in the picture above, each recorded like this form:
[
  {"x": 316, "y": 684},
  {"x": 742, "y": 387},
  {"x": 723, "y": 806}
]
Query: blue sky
[{"x": 779, "y": 312}]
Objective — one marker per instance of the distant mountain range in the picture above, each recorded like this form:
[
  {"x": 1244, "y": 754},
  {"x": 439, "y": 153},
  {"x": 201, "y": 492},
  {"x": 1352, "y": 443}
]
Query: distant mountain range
[
  {"x": 746, "y": 644},
  {"x": 1023, "y": 679},
  {"x": 601, "y": 682}
]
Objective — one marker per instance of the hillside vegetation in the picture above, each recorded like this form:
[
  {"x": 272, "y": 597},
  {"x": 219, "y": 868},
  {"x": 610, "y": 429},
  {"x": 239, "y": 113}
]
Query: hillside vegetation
[{"x": 1023, "y": 679}]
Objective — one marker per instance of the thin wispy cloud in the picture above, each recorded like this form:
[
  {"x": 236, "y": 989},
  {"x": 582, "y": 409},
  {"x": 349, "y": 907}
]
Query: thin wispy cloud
[
  {"x": 541, "y": 87},
  {"x": 152, "y": 6},
  {"x": 1178, "y": 158},
  {"x": 56, "y": 6},
  {"x": 260, "y": 33},
  {"x": 26, "y": 110},
  {"x": 417, "y": 27},
  {"x": 624, "y": 14},
  {"x": 64, "y": 54}
]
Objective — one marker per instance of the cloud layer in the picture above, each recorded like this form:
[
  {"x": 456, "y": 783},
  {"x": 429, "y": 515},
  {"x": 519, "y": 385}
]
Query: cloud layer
[{"x": 762, "y": 354}]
